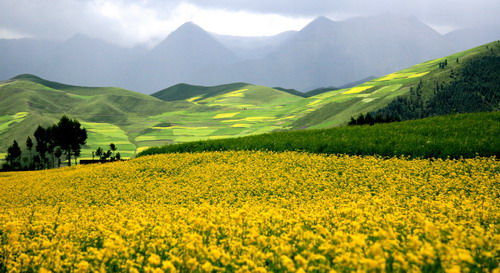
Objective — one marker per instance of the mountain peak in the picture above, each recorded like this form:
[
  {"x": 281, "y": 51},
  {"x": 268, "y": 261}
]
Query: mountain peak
[
  {"x": 189, "y": 27},
  {"x": 29, "y": 77},
  {"x": 320, "y": 22},
  {"x": 322, "y": 19}
]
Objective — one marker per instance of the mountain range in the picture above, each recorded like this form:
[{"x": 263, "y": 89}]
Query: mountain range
[
  {"x": 324, "y": 53},
  {"x": 182, "y": 113}
]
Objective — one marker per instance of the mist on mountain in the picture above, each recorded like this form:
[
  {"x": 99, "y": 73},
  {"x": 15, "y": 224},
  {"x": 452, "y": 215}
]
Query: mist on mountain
[{"x": 323, "y": 53}]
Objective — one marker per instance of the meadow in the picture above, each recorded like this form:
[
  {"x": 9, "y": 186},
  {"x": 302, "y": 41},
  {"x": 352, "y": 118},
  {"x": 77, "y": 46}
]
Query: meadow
[
  {"x": 253, "y": 212},
  {"x": 455, "y": 136}
]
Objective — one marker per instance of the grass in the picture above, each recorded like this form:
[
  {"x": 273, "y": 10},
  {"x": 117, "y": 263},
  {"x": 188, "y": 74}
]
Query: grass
[
  {"x": 8, "y": 120},
  {"x": 455, "y": 136}
]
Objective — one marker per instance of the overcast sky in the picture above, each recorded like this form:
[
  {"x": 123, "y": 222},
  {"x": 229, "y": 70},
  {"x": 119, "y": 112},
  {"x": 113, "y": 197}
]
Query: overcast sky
[{"x": 134, "y": 22}]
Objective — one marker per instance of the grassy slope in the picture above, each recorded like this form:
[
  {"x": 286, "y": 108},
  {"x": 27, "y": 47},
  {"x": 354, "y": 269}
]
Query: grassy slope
[
  {"x": 200, "y": 113},
  {"x": 337, "y": 107},
  {"x": 184, "y": 91},
  {"x": 464, "y": 135},
  {"x": 27, "y": 101}
]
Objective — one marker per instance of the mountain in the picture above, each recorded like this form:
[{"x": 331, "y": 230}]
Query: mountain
[
  {"x": 184, "y": 56},
  {"x": 324, "y": 53},
  {"x": 327, "y": 53},
  {"x": 183, "y": 113},
  {"x": 469, "y": 78},
  {"x": 19, "y": 56},
  {"x": 321, "y": 90},
  {"x": 86, "y": 61},
  {"x": 253, "y": 47},
  {"x": 184, "y": 91},
  {"x": 463, "y": 39},
  {"x": 79, "y": 60}
]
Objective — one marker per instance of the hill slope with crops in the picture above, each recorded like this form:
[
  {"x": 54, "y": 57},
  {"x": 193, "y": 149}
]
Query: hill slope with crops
[
  {"x": 461, "y": 135},
  {"x": 185, "y": 113}
]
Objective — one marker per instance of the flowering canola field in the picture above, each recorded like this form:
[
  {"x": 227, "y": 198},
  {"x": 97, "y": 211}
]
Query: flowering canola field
[{"x": 253, "y": 212}]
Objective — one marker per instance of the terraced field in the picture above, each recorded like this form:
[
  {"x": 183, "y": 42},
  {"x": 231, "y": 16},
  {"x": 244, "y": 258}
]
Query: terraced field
[
  {"x": 186, "y": 113},
  {"x": 102, "y": 134}
]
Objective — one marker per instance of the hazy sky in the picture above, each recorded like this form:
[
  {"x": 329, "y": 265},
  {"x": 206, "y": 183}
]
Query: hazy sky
[{"x": 133, "y": 22}]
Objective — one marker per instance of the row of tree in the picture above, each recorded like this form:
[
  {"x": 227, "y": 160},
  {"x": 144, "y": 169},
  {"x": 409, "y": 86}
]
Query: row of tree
[
  {"x": 64, "y": 138},
  {"x": 111, "y": 154},
  {"x": 371, "y": 119}
]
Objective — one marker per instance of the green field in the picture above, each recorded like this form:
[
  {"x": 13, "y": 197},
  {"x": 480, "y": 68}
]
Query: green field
[
  {"x": 185, "y": 113},
  {"x": 461, "y": 135}
]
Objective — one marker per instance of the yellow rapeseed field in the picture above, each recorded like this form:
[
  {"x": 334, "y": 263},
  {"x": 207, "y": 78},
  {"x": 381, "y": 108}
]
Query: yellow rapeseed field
[{"x": 253, "y": 212}]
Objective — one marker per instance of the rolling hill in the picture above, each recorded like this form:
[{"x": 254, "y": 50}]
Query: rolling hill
[{"x": 185, "y": 113}]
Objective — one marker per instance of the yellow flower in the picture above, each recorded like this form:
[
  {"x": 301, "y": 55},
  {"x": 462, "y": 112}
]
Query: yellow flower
[
  {"x": 82, "y": 267},
  {"x": 169, "y": 267},
  {"x": 454, "y": 269},
  {"x": 252, "y": 212},
  {"x": 154, "y": 259},
  {"x": 287, "y": 263},
  {"x": 207, "y": 267}
]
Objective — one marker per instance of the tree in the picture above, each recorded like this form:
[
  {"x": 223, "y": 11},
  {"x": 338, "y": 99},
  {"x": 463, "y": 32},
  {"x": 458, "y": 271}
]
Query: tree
[
  {"x": 76, "y": 154},
  {"x": 70, "y": 136},
  {"x": 13, "y": 156},
  {"x": 118, "y": 156},
  {"x": 113, "y": 148},
  {"x": 41, "y": 145},
  {"x": 106, "y": 155},
  {"x": 99, "y": 152},
  {"x": 58, "y": 154},
  {"x": 51, "y": 142},
  {"x": 29, "y": 146}
]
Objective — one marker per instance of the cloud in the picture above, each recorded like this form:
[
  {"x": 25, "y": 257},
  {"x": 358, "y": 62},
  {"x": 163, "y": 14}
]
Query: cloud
[{"x": 131, "y": 22}]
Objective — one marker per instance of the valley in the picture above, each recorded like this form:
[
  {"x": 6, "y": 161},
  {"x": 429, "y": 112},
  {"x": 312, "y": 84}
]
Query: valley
[
  {"x": 365, "y": 144},
  {"x": 184, "y": 113}
]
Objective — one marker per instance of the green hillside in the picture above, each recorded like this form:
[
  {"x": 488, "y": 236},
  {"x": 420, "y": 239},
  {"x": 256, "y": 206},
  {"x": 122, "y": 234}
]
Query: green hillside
[
  {"x": 185, "y": 113},
  {"x": 338, "y": 106},
  {"x": 109, "y": 114},
  {"x": 184, "y": 91},
  {"x": 460, "y": 135}
]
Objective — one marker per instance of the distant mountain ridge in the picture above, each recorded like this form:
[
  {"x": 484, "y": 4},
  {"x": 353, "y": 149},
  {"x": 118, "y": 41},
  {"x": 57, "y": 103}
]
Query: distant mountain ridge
[{"x": 324, "y": 53}]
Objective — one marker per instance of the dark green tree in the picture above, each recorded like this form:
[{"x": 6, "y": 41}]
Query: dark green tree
[
  {"x": 29, "y": 146},
  {"x": 13, "y": 157},
  {"x": 70, "y": 136},
  {"x": 51, "y": 143},
  {"x": 99, "y": 152},
  {"x": 58, "y": 154},
  {"x": 41, "y": 146},
  {"x": 113, "y": 149}
]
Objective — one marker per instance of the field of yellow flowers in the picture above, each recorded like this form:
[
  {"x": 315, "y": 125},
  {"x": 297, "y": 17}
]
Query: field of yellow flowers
[{"x": 253, "y": 212}]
